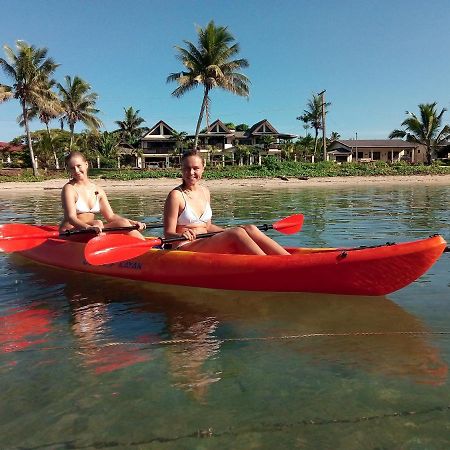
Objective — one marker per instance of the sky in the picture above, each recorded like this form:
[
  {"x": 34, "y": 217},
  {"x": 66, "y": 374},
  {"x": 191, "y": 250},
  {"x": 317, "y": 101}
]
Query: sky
[{"x": 375, "y": 59}]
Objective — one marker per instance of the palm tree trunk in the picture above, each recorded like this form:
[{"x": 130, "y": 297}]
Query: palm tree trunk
[
  {"x": 315, "y": 141},
  {"x": 51, "y": 145},
  {"x": 30, "y": 146},
  {"x": 72, "y": 127},
  {"x": 200, "y": 117}
]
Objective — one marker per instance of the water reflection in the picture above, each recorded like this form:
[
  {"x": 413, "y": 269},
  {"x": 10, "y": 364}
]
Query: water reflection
[
  {"x": 21, "y": 328},
  {"x": 119, "y": 324}
]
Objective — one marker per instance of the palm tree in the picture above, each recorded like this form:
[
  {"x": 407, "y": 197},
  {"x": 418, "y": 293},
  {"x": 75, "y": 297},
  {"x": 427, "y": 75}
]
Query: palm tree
[
  {"x": 30, "y": 70},
  {"x": 47, "y": 112},
  {"x": 211, "y": 65},
  {"x": 425, "y": 130},
  {"x": 335, "y": 136},
  {"x": 78, "y": 104},
  {"x": 130, "y": 129},
  {"x": 180, "y": 138},
  {"x": 313, "y": 116}
]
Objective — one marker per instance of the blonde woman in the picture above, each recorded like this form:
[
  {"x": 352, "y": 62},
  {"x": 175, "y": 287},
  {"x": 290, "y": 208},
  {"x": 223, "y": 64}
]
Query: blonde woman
[{"x": 82, "y": 200}]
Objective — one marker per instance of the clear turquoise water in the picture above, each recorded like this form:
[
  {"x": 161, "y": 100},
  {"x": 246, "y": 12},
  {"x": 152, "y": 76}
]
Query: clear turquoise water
[{"x": 89, "y": 362}]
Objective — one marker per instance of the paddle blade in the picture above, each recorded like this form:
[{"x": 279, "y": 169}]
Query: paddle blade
[
  {"x": 289, "y": 225},
  {"x": 112, "y": 248},
  {"x": 15, "y": 237}
]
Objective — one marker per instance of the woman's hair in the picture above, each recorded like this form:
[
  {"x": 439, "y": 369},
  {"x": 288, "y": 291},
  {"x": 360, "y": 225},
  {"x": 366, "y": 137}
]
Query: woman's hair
[
  {"x": 190, "y": 152},
  {"x": 74, "y": 154}
]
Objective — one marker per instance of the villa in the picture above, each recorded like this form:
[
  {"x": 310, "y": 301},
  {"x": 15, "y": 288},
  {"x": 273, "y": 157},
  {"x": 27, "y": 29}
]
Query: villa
[
  {"x": 388, "y": 150},
  {"x": 219, "y": 143},
  {"x": 6, "y": 151}
]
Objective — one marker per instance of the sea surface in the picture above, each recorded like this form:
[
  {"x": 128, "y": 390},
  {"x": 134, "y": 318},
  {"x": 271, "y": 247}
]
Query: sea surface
[{"x": 97, "y": 363}]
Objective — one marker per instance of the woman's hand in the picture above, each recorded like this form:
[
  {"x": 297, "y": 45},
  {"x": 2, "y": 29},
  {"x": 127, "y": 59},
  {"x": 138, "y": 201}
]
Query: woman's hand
[
  {"x": 95, "y": 228},
  {"x": 139, "y": 225},
  {"x": 189, "y": 234}
]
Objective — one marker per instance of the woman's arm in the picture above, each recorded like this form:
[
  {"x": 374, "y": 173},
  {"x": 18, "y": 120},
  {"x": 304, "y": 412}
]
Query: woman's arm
[
  {"x": 171, "y": 209},
  {"x": 110, "y": 216}
]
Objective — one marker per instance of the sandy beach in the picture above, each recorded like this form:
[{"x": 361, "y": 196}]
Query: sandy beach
[{"x": 165, "y": 184}]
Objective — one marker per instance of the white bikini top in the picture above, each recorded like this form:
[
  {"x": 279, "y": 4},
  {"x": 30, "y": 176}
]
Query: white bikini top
[
  {"x": 82, "y": 206},
  {"x": 189, "y": 217}
]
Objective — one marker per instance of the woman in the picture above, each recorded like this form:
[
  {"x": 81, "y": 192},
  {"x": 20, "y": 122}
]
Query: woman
[
  {"x": 187, "y": 213},
  {"x": 82, "y": 199}
]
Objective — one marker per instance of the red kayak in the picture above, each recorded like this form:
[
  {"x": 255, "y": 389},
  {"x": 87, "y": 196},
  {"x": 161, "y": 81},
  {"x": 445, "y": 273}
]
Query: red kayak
[{"x": 376, "y": 270}]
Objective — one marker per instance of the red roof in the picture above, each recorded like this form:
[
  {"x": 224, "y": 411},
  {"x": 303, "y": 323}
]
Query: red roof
[{"x": 8, "y": 147}]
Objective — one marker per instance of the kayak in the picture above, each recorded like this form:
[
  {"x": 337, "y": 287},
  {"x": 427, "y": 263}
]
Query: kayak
[{"x": 377, "y": 270}]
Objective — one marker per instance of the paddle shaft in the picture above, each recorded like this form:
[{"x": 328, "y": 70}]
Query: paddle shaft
[
  {"x": 264, "y": 227},
  {"x": 92, "y": 230}
]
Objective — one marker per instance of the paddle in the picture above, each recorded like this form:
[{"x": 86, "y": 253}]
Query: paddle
[
  {"x": 15, "y": 237},
  {"x": 108, "y": 249}
]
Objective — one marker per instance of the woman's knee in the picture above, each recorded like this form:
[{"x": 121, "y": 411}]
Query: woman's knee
[
  {"x": 121, "y": 222},
  {"x": 239, "y": 233},
  {"x": 250, "y": 229}
]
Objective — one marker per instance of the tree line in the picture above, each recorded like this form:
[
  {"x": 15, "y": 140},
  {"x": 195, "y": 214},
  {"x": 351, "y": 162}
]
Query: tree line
[{"x": 210, "y": 63}]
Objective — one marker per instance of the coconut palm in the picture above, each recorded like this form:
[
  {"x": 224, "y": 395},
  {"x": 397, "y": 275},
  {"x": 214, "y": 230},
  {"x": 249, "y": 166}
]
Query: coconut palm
[
  {"x": 30, "y": 71},
  {"x": 130, "y": 129},
  {"x": 211, "y": 65},
  {"x": 180, "y": 139},
  {"x": 425, "y": 130},
  {"x": 78, "y": 104},
  {"x": 313, "y": 116},
  {"x": 335, "y": 136},
  {"x": 47, "y": 112}
]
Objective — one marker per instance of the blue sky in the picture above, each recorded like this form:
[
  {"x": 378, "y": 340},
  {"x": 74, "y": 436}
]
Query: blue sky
[{"x": 376, "y": 59}]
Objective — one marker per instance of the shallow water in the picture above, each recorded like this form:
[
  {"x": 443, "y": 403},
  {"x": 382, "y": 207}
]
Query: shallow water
[{"x": 92, "y": 362}]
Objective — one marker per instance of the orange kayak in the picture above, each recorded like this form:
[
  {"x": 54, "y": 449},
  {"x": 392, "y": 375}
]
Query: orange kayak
[{"x": 376, "y": 270}]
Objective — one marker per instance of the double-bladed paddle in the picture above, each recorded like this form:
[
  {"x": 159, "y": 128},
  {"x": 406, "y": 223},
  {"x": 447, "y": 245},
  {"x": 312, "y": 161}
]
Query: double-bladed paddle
[
  {"x": 108, "y": 249},
  {"x": 15, "y": 237}
]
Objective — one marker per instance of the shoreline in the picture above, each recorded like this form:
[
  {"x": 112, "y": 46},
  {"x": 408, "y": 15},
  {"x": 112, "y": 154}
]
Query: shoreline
[{"x": 165, "y": 184}]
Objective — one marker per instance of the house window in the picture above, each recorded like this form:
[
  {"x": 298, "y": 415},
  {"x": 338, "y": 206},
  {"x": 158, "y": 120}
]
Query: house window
[
  {"x": 376, "y": 156},
  {"x": 360, "y": 155}
]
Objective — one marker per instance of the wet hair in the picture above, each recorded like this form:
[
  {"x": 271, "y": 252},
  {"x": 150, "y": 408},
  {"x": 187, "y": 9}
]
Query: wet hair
[
  {"x": 191, "y": 152},
  {"x": 74, "y": 154}
]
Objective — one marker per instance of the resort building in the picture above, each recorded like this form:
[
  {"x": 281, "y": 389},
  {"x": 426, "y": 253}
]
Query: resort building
[
  {"x": 158, "y": 145},
  {"x": 6, "y": 151},
  {"x": 220, "y": 144},
  {"x": 388, "y": 150},
  {"x": 223, "y": 143}
]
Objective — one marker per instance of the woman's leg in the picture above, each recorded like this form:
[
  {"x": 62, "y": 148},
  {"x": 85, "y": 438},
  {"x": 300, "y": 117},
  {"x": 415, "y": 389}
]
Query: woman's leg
[
  {"x": 234, "y": 240},
  {"x": 267, "y": 245},
  {"x": 122, "y": 222}
]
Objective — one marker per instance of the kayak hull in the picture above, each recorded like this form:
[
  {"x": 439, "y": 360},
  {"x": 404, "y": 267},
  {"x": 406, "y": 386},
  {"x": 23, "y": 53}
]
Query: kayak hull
[{"x": 376, "y": 270}]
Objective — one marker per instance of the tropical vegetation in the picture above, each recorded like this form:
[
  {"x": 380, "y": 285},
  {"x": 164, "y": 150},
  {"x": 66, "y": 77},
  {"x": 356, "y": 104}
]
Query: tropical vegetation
[
  {"x": 30, "y": 72},
  {"x": 130, "y": 128},
  {"x": 426, "y": 129},
  {"x": 78, "y": 103},
  {"x": 312, "y": 116},
  {"x": 211, "y": 65},
  {"x": 270, "y": 168}
]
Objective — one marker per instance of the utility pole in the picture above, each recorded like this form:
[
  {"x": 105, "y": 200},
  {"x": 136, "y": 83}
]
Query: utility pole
[
  {"x": 356, "y": 147},
  {"x": 324, "y": 139}
]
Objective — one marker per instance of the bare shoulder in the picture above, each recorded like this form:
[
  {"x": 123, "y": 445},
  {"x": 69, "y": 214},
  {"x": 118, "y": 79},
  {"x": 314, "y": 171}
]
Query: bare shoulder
[
  {"x": 174, "y": 194},
  {"x": 68, "y": 189}
]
